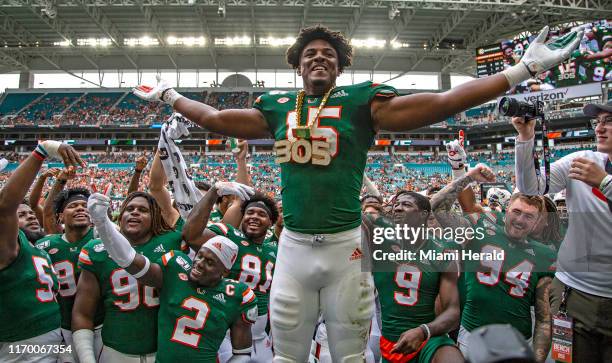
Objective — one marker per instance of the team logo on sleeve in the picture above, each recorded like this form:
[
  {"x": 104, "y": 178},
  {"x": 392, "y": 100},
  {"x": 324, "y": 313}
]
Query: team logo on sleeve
[
  {"x": 244, "y": 243},
  {"x": 252, "y": 314}
]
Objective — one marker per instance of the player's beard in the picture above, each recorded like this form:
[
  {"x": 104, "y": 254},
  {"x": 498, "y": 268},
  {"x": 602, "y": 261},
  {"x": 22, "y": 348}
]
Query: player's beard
[{"x": 33, "y": 236}]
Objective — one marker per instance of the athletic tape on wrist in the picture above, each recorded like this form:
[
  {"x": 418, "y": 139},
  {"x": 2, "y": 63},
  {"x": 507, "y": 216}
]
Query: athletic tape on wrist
[
  {"x": 243, "y": 351},
  {"x": 517, "y": 74},
  {"x": 144, "y": 270}
]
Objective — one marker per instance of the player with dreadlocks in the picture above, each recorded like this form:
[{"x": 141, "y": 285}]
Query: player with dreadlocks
[
  {"x": 129, "y": 331},
  {"x": 322, "y": 134},
  {"x": 197, "y": 303}
]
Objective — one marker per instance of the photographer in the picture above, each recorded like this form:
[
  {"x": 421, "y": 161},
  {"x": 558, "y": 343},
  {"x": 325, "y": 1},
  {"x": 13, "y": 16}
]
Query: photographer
[{"x": 585, "y": 255}]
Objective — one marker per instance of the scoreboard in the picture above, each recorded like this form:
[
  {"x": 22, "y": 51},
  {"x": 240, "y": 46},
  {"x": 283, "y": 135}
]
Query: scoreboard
[{"x": 489, "y": 60}]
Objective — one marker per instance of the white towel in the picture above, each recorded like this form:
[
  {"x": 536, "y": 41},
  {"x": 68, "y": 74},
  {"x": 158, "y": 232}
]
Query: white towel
[{"x": 186, "y": 195}]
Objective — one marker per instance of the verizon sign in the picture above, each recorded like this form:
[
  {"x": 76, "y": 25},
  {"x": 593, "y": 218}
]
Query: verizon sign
[{"x": 560, "y": 94}]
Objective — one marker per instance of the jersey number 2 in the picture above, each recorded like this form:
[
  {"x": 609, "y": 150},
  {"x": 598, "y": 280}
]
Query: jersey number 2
[{"x": 180, "y": 334}]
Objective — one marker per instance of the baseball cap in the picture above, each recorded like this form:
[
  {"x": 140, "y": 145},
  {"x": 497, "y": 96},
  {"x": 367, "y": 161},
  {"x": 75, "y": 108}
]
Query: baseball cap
[{"x": 593, "y": 109}]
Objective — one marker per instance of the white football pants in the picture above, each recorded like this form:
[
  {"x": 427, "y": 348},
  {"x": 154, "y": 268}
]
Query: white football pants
[{"x": 320, "y": 273}]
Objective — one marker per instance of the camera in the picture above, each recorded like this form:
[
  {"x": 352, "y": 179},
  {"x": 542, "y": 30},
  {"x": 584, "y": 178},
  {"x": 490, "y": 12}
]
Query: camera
[{"x": 511, "y": 107}]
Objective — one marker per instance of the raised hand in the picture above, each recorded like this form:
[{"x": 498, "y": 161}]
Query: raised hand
[
  {"x": 456, "y": 155},
  {"x": 244, "y": 192},
  {"x": 98, "y": 205},
  {"x": 482, "y": 174},
  {"x": 162, "y": 92},
  {"x": 541, "y": 56}
]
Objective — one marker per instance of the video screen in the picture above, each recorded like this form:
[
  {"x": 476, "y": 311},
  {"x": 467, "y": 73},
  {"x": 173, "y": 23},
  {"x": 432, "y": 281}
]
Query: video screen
[{"x": 590, "y": 62}]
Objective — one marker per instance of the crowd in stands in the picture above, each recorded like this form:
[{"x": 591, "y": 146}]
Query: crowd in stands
[{"x": 412, "y": 171}]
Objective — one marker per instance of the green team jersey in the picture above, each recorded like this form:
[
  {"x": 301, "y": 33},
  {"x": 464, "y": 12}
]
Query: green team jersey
[
  {"x": 65, "y": 256},
  {"x": 215, "y": 216},
  {"x": 193, "y": 320},
  {"x": 254, "y": 264},
  {"x": 271, "y": 239},
  {"x": 321, "y": 177},
  {"x": 130, "y": 321},
  {"x": 407, "y": 290},
  {"x": 28, "y": 307},
  {"x": 502, "y": 291}
]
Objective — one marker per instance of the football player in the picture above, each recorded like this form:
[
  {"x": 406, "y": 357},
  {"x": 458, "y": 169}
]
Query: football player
[
  {"x": 29, "y": 311},
  {"x": 255, "y": 262},
  {"x": 412, "y": 329},
  {"x": 198, "y": 304},
  {"x": 129, "y": 331},
  {"x": 323, "y": 133},
  {"x": 64, "y": 249},
  {"x": 515, "y": 272}
]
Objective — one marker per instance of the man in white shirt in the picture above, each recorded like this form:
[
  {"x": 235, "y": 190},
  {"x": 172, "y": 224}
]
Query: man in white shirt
[{"x": 585, "y": 255}]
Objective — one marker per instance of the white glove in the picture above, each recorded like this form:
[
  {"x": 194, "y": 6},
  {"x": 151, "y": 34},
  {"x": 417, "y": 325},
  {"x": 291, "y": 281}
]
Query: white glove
[
  {"x": 244, "y": 192},
  {"x": 162, "y": 92},
  {"x": 540, "y": 57},
  {"x": 456, "y": 155},
  {"x": 98, "y": 205},
  {"x": 49, "y": 148}
]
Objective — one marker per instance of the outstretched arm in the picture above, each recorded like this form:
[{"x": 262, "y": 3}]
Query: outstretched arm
[
  {"x": 410, "y": 112},
  {"x": 16, "y": 188},
  {"x": 242, "y": 172},
  {"x": 242, "y": 123},
  {"x": 37, "y": 192},
  {"x": 414, "y": 111},
  {"x": 118, "y": 247},
  {"x": 50, "y": 222},
  {"x": 157, "y": 188},
  {"x": 141, "y": 164}
]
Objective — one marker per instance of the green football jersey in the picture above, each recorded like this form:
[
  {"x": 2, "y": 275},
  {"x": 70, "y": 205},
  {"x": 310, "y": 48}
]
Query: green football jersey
[
  {"x": 215, "y": 216},
  {"x": 321, "y": 178},
  {"x": 407, "y": 290},
  {"x": 28, "y": 307},
  {"x": 502, "y": 291},
  {"x": 254, "y": 264},
  {"x": 130, "y": 321},
  {"x": 65, "y": 256},
  {"x": 193, "y": 320}
]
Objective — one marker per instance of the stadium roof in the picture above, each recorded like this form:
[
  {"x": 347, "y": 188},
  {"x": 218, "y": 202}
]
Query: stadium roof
[{"x": 441, "y": 34}]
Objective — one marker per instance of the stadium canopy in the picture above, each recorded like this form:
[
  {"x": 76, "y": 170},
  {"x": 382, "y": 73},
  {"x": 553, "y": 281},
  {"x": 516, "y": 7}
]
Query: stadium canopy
[{"x": 403, "y": 36}]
